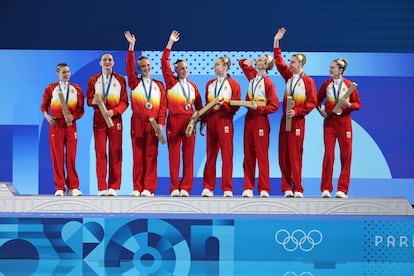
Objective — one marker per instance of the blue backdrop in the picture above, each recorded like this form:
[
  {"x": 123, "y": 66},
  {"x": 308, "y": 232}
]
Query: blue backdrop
[
  {"x": 376, "y": 36},
  {"x": 383, "y": 151}
]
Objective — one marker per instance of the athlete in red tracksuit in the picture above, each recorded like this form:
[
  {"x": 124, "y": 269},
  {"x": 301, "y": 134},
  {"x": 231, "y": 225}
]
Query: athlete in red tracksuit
[
  {"x": 337, "y": 126},
  {"x": 61, "y": 136},
  {"x": 148, "y": 99},
  {"x": 182, "y": 94},
  {"x": 257, "y": 126},
  {"x": 110, "y": 88},
  {"x": 220, "y": 129},
  {"x": 303, "y": 90}
]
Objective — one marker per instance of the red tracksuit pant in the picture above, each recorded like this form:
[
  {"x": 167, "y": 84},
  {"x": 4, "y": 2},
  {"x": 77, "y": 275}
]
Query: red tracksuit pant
[
  {"x": 145, "y": 153},
  {"x": 337, "y": 127},
  {"x": 176, "y": 125},
  {"x": 290, "y": 154},
  {"x": 61, "y": 138},
  {"x": 114, "y": 134},
  {"x": 219, "y": 137},
  {"x": 256, "y": 147}
]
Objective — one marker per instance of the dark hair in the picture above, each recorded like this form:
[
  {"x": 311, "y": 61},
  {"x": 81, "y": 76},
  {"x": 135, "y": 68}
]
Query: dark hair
[
  {"x": 106, "y": 54},
  {"x": 142, "y": 57},
  {"x": 60, "y": 65},
  {"x": 178, "y": 61}
]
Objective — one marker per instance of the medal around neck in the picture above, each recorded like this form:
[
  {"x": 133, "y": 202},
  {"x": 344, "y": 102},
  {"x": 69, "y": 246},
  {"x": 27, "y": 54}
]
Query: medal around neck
[{"x": 148, "y": 105}]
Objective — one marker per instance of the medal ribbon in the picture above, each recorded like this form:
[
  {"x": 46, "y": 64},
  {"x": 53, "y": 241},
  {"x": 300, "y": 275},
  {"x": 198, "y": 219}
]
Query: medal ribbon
[
  {"x": 255, "y": 87},
  {"x": 147, "y": 93},
  {"x": 67, "y": 92},
  {"x": 106, "y": 92},
  {"x": 336, "y": 93},
  {"x": 216, "y": 93},
  {"x": 186, "y": 95},
  {"x": 292, "y": 90}
]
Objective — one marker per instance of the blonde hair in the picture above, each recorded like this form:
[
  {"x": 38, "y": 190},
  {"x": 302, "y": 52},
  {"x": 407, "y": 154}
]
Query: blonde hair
[
  {"x": 301, "y": 57},
  {"x": 269, "y": 61},
  {"x": 226, "y": 60},
  {"x": 342, "y": 63}
]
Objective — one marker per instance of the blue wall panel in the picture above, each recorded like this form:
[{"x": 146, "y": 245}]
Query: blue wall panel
[
  {"x": 6, "y": 154},
  {"x": 316, "y": 245}
]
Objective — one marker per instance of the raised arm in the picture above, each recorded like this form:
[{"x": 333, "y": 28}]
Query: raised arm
[
  {"x": 131, "y": 39},
  {"x": 278, "y": 36},
  {"x": 130, "y": 61},
  {"x": 247, "y": 67},
  {"x": 165, "y": 60},
  {"x": 174, "y": 37},
  {"x": 281, "y": 66}
]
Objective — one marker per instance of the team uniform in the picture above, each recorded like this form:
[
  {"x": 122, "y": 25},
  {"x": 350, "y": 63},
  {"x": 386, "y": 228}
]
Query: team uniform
[
  {"x": 303, "y": 90},
  {"x": 181, "y": 96},
  {"x": 337, "y": 127},
  {"x": 148, "y": 100},
  {"x": 257, "y": 128},
  {"x": 62, "y": 136},
  {"x": 113, "y": 92},
  {"x": 220, "y": 131}
]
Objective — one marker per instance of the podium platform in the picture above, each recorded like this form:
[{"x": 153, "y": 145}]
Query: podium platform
[
  {"x": 14, "y": 203},
  {"x": 91, "y": 235}
]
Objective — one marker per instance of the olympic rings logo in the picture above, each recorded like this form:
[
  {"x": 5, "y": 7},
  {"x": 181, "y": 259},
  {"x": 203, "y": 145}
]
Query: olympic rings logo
[{"x": 298, "y": 239}]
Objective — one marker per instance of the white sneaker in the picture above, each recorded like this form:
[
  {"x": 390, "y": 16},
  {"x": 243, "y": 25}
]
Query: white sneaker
[
  {"x": 298, "y": 195},
  {"x": 264, "y": 194},
  {"x": 111, "y": 192},
  {"x": 247, "y": 193},
  {"x": 175, "y": 193},
  {"x": 59, "y": 193},
  {"x": 207, "y": 193},
  {"x": 326, "y": 194},
  {"x": 102, "y": 193},
  {"x": 146, "y": 193},
  {"x": 136, "y": 193},
  {"x": 288, "y": 193},
  {"x": 184, "y": 193},
  {"x": 74, "y": 192},
  {"x": 228, "y": 194},
  {"x": 340, "y": 194}
]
